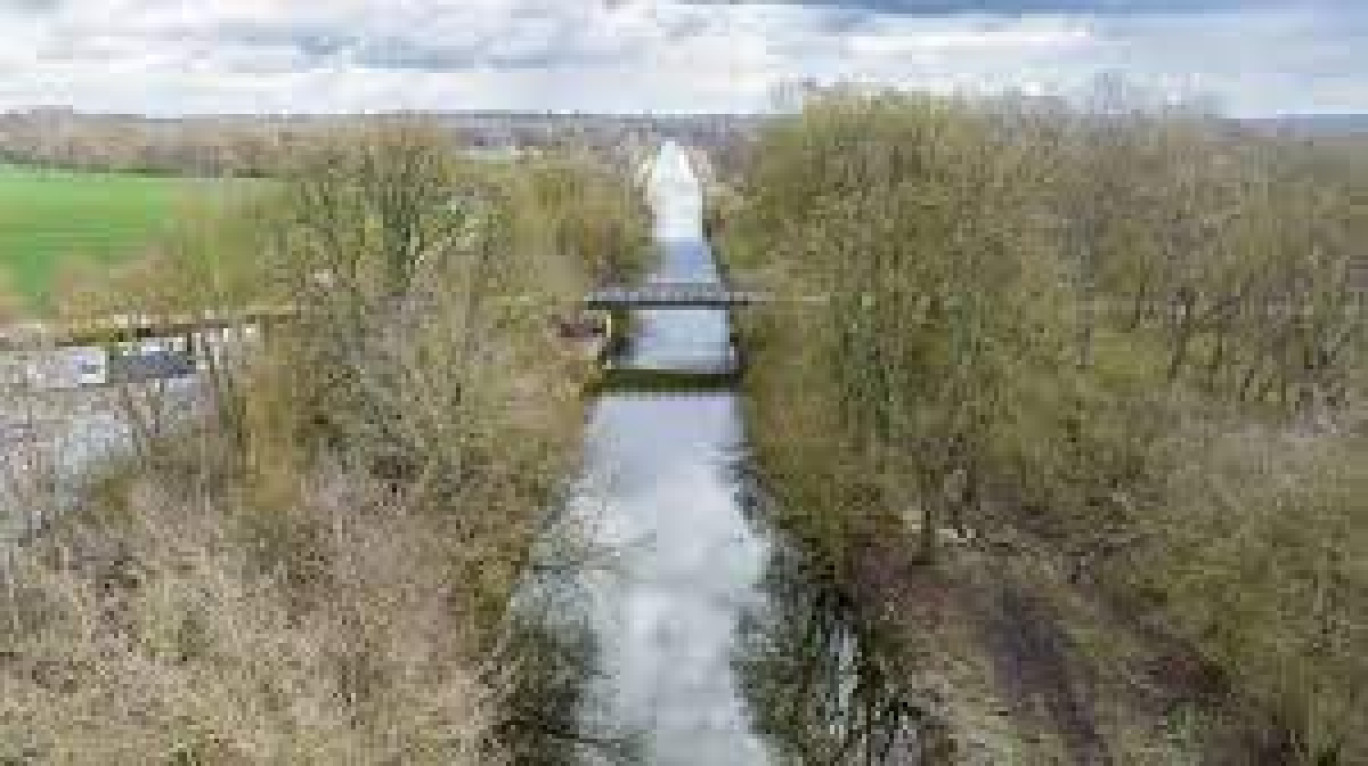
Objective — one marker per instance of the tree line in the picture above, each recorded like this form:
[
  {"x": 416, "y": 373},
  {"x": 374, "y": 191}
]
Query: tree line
[
  {"x": 264, "y": 145},
  {"x": 1106, "y": 342}
]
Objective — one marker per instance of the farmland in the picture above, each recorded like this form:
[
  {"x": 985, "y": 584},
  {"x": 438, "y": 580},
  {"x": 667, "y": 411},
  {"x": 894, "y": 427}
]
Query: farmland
[{"x": 52, "y": 221}]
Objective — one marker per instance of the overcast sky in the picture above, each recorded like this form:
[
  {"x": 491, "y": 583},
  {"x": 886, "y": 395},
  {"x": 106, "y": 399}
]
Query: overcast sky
[{"x": 190, "y": 56}]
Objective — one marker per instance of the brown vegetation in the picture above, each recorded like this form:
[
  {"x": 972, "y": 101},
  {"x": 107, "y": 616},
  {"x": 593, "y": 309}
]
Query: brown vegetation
[
  {"x": 1107, "y": 370},
  {"x": 314, "y": 566}
]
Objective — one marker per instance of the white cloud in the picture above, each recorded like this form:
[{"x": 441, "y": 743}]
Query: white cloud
[{"x": 169, "y": 56}]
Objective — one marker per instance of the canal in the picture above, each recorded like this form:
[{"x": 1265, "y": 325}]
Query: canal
[
  {"x": 684, "y": 633},
  {"x": 661, "y": 494}
]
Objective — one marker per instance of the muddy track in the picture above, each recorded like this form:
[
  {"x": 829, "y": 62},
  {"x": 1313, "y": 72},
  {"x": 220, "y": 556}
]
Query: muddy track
[{"x": 1039, "y": 668}]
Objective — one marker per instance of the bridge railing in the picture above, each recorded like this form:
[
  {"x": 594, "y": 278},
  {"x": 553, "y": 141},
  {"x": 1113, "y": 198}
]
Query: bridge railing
[{"x": 676, "y": 295}]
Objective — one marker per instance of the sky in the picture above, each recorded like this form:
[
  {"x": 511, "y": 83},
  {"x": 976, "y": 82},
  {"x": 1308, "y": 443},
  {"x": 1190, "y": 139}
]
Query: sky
[{"x": 168, "y": 57}]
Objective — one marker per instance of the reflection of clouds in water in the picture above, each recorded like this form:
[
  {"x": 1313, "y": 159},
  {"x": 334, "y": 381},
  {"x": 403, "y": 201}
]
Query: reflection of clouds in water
[
  {"x": 667, "y": 615},
  {"x": 680, "y": 339},
  {"x": 659, "y": 490}
]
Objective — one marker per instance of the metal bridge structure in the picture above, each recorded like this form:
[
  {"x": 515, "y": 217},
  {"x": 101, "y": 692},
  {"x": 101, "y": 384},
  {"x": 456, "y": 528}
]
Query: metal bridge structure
[{"x": 673, "y": 295}]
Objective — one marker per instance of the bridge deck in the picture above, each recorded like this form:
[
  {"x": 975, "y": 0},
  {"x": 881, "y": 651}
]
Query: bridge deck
[{"x": 674, "y": 295}]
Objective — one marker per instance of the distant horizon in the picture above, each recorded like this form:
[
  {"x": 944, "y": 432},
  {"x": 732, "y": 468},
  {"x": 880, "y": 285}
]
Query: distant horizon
[
  {"x": 530, "y": 112},
  {"x": 166, "y": 58}
]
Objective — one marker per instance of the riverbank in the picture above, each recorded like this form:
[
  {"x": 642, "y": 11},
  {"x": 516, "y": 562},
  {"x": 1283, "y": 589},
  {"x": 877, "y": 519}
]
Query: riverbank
[
  {"x": 1090, "y": 538},
  {"x": 316, "y": 567}
]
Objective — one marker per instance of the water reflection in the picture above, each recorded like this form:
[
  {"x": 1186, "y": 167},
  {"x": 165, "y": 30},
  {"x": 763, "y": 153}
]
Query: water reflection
[
  {"x": 545, "y": 666},
  {"x": 692, "y": 643},
  {"x": 822, "y": 685},
  {"x": 688, "y": 565}
]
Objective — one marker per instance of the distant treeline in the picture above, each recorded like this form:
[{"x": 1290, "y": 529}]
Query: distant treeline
[{"x": 261, "y": 145}]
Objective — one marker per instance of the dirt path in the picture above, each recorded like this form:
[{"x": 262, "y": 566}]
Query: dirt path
[{"x": 1040, "y": 670}]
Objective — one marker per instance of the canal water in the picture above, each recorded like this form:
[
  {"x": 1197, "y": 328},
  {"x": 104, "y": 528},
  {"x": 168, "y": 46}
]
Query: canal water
[
  {"x": 681, "y": 633},
  {"x": 661, "y": 495}
]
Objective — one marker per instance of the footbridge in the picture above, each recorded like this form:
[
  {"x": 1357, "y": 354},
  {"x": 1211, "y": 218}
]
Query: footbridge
[{"x": 673, "y": 295}]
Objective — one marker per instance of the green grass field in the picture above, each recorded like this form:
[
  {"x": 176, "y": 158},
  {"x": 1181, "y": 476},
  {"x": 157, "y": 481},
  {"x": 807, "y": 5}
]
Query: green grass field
[{"x": 51, "y": 218}]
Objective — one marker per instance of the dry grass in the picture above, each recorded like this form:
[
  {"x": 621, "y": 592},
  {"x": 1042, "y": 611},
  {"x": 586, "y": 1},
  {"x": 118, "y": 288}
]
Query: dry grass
[
  {"x": 181, "y": 636},
  {"x": 314, "y": 566}
]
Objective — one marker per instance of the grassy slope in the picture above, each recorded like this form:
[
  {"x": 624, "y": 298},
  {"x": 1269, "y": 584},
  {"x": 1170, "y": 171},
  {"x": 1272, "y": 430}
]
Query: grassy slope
[{"x": 50, "y": 218}]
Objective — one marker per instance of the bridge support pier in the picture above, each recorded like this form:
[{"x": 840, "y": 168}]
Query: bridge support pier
[{"x": 617, "y": 329}]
